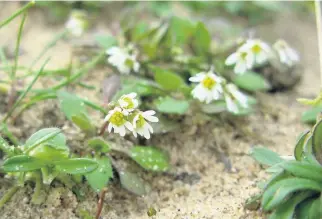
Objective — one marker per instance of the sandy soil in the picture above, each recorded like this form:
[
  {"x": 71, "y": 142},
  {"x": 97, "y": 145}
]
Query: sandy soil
[{"x": 212, "y": 173}]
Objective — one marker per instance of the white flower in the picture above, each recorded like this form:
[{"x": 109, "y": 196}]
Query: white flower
[
  {"x": 234, "y": 98},
  {"x": 286, "y": 54},
  {"x": 209, "y": 87},
  {"x": 243, "y": 61},
  {"x": 123, "y": 60},
  {"x": 140, "y": 124},
  {"x": 77, "y": 23},
  {"x": 128, "y": 103},
  {"x": 117, "y": 121},
  {"x": 257, "y": 50}
]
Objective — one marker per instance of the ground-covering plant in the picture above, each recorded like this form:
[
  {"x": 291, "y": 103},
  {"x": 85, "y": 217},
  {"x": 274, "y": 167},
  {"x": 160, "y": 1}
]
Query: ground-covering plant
[
  {"x": 294, "y": 188},
  {"x": 162, "y": 72}
]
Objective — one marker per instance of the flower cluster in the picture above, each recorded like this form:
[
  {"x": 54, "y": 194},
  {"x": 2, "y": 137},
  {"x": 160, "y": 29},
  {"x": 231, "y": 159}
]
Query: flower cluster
[
  {"x": 256, "y": 52},
  {"x": 77, "y": 22},
  {"x": 286, "y": 54},
  {"x": 126, "y": 116},
  {"x": 253, "y": 52},
  {"x": 213, "y": 87},
  {"x": 124, "y": 59}
]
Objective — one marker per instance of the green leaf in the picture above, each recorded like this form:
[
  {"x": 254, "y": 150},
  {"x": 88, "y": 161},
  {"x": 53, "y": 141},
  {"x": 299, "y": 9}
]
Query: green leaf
[
  {"x": 299, "y": 147},
  {"x": 179, "y": 32},
  {"x": 132, "y": 182},
  {"x": 307, "y": 209},
  {"x": 265, "y": 156},
  {"x": 287, "y": 209},
  {"x": 83, "y": 122},
  {"x": 304, "y": 170},
  {"x": 282, "y": 174},
  {"x": 308, "y": 151},
  {"x": 22, "y": 163},
  {"x": 76, "y": 165},
  {"x": 167, "y": 80},
  {"x": 310, "y": 115},
  {"x": 276, "y": 194},
  {"x": 215, "y": 107},
  {"x": 48, "y": 136},
  {"x": 317, "y": 141},
  {"x": 251, "y": 81},
  {"x": 150, "y": 158},
  {"x": 75, "y": 110},
  {"x": 99, "y": 144},
  {"x": 169, "y": 105},
  {"x": 70, "y": 104},
  {"x": 105, "y": 41},
  {"x": 202, "y": 39},
  {"x": 99, "y": 178}
]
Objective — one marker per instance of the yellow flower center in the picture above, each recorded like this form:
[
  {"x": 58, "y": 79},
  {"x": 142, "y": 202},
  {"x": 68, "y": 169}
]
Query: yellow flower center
[
  {"x": 117, "y": 119},
  {"x": 129, "y": 63},
  {"x": 130, "y": 104},
  {"x": 208, "y": 82},
  {"x": 256, "y": 49},
  {"x": 243, "y": 55},
  {"x": 140, "y": 122}
]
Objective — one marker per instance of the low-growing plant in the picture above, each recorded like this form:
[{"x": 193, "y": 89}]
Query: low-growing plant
[
  {"x": 44, "y": 157},
  {"x": 294, "y": 190}
]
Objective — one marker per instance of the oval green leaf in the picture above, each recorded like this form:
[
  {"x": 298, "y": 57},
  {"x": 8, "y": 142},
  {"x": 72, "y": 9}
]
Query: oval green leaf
[
  {"x": 132, "y": 182},
  {"x": 150, "y": 158},
  {"x": 167, "y": 80},
  {"x": 172, "y": 106},
  {"x": 76, "y": 165},
  {"x": 265, "y": 156},
  {"x": 22, "y": 163},
  {"x": 48, "y": 136},
  {"x": 251, "y": 81},
  {"x": 99, "y": 178},
  {"x": 70, "y": 104}
]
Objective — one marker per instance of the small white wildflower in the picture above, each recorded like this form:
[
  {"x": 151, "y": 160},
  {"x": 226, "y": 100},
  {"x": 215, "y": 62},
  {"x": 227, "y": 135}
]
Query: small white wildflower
[
  {"x": 123, "y": 60},
  {"x": 286, "y": 54},
  {"x": 128, "y": 102},
  {"x": 209, "y": 87},
  {"x": 140, "y": 124},
  {"x": 242, "y": 60},
  {"x": 234, "y": 98},
  {"x": 77, "y": 22},
  {"x": 117, "y": 121},
  {"x": 257, "y": 50}
]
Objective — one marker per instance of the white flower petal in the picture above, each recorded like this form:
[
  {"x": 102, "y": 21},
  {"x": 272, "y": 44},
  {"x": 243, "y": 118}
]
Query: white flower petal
[
  {"x": 128, "y": 125},
  {"x": 232, "y": 59},
  {"x": 198, "y": 77}
]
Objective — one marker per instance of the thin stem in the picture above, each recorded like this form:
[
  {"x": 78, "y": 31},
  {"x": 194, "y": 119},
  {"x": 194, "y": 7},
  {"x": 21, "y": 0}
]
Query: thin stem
[
  {"x": 25, "y": 92},
  {"x": 75, "y": 76},
  {"x": 5, "y": 131},
  {"x": 100, "y": 203},
  {"x": 318, "y": 16},
  {"x": 36, "y": 199},
  {"x": 13, "y": 74},
  {"x": 17, "y": 13},
  {"x": 6, "y": 197}
]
